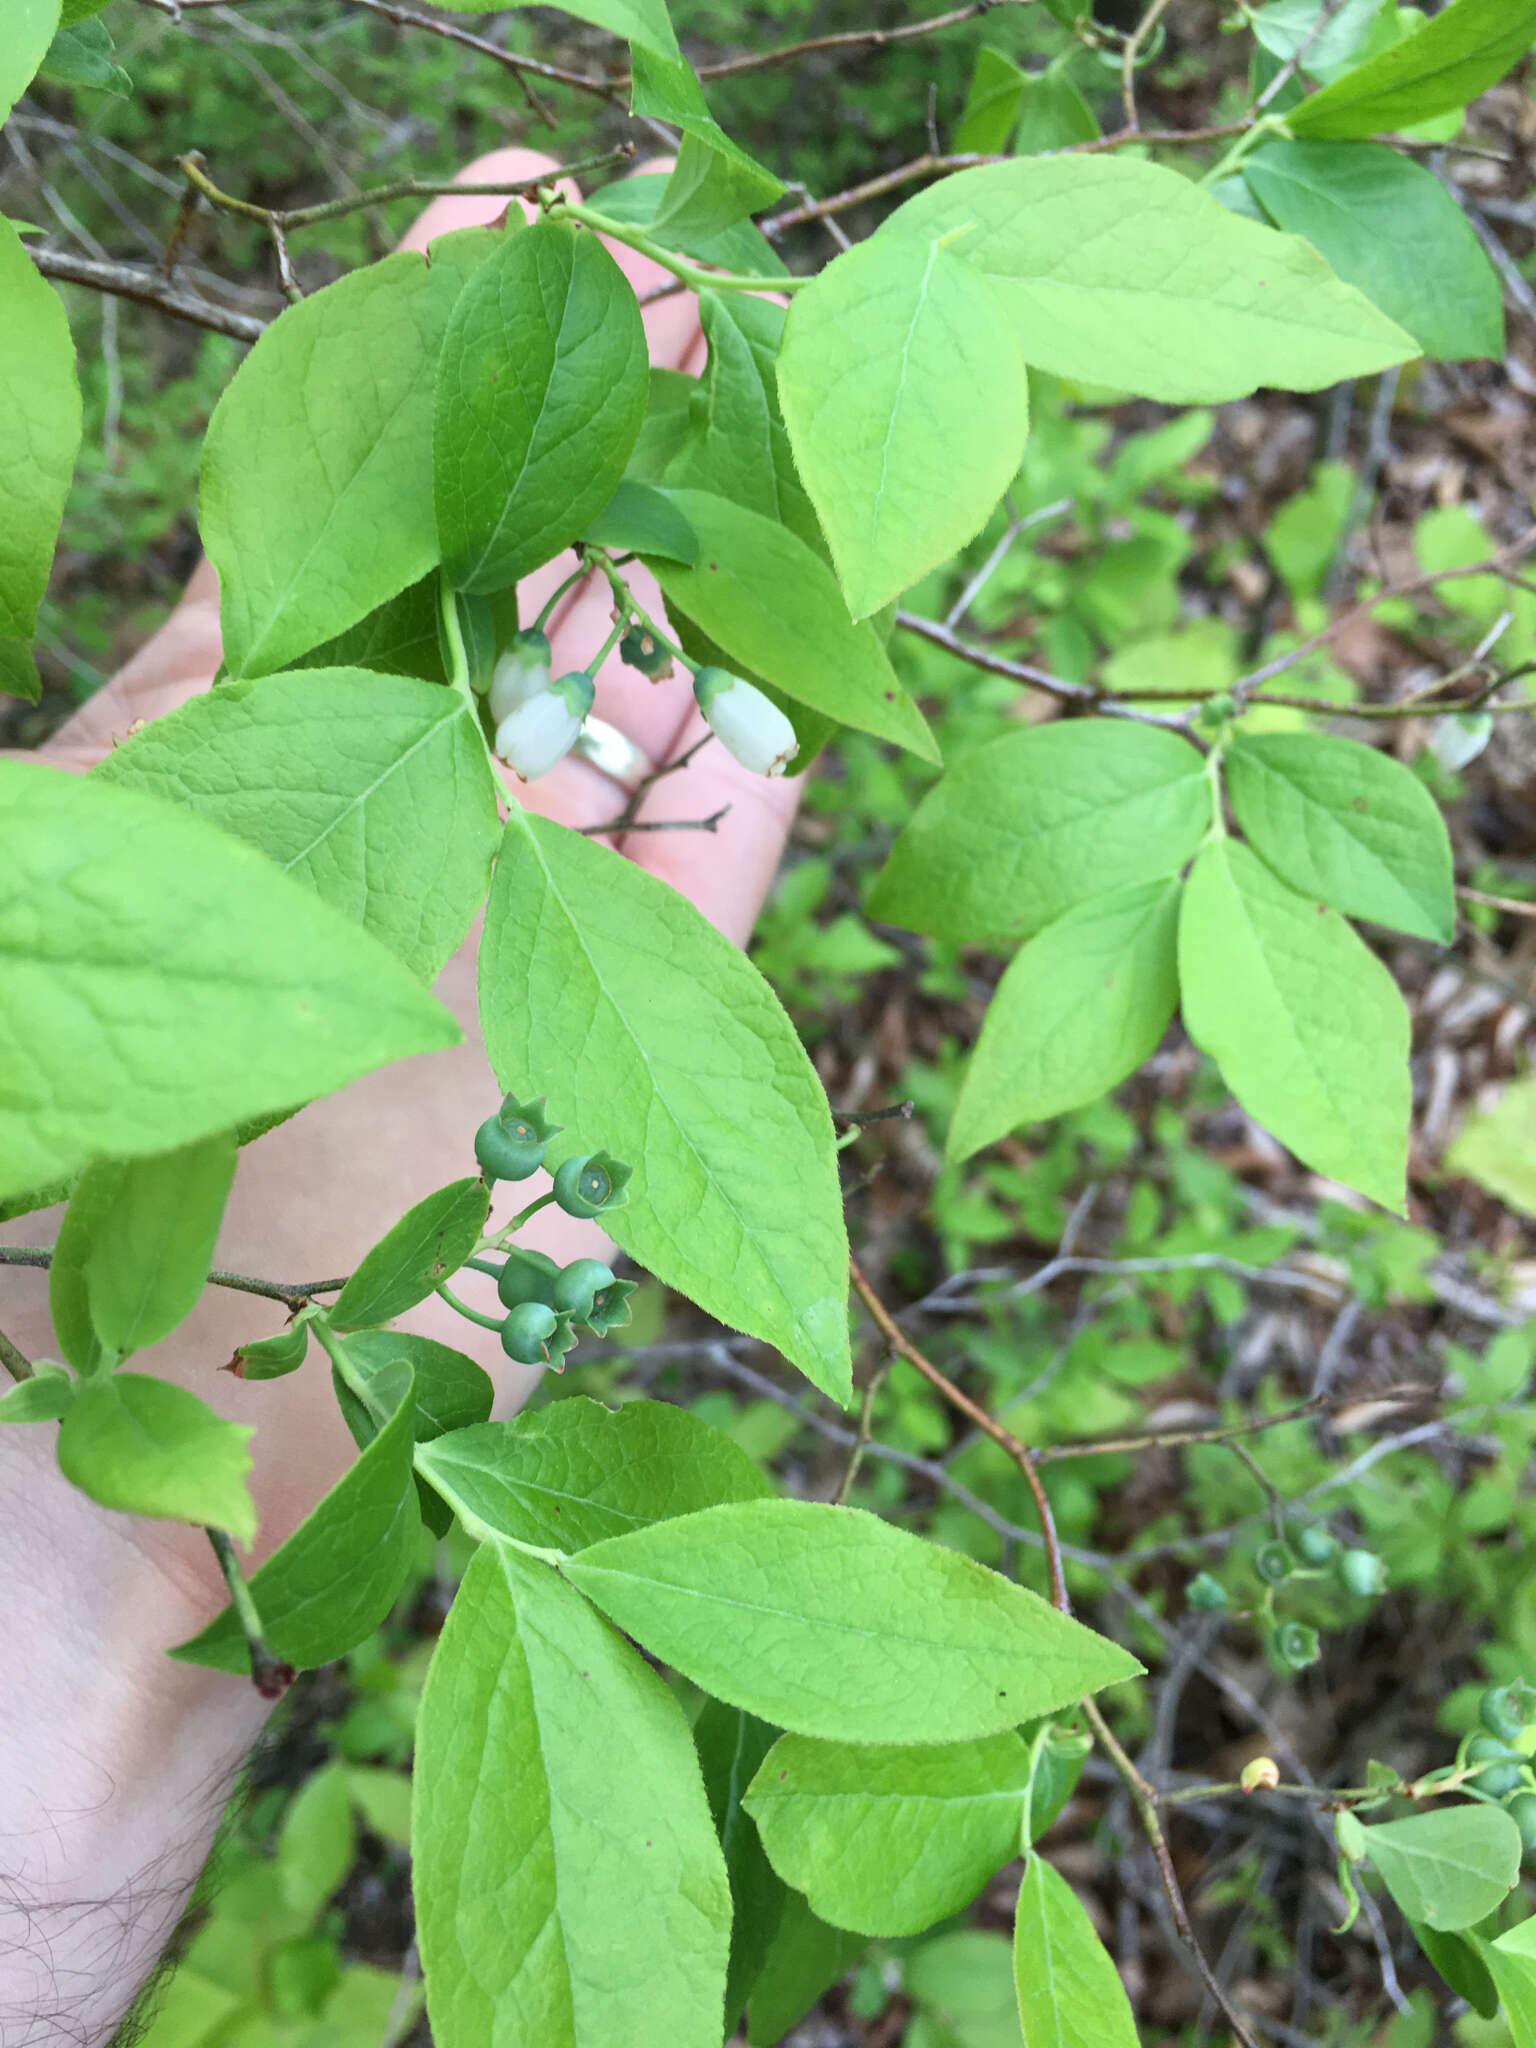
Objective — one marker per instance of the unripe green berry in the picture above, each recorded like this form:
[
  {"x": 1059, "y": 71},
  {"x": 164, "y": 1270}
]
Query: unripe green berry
[
  {"x": 1502, "y": 1769},
  {"x": 526, "y": 1332},
  {"x": 502, "y": 1155},
  {"x": 1205, "y": 1594},
  {"x": 1363, "y": 1573},
  {"x": 585, "y": 1186},
  {"x": 1506, "y": 1710},
  {"x": 1294, "y": 1645},
  {"x": 527, "y": 1276},
  {"x": 578, "y": 1287},
  {"x": 1274, "y": 1562},
  {"x": 1315, "y": 1545},
  {"x": 610, "y": 1308}
]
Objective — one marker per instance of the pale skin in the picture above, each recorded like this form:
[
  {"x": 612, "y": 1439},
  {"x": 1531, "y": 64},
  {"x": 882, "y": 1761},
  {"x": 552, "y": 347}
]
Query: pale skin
[{"x": 118, "y": 1760}]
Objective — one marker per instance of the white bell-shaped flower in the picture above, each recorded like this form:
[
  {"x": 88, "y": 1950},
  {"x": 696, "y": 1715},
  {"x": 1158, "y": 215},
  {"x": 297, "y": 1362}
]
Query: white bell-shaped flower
[
  {"x": 521, "y": 673},
  {"x": 745, "y": 722},
  {"x": 541, "y": 730}
]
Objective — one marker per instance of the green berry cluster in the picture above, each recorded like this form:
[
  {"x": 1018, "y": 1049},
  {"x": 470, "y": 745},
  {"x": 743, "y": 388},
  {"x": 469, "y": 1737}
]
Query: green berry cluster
[
  {"x": 1308, "y": 1552},
  {"x": 547, "y": 1303},
  {"x": 1498, "y": 1755}
]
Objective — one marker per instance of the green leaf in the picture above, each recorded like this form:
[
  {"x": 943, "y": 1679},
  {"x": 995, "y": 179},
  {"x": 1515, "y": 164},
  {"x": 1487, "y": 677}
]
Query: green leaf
[
  {"x": 337, "y": 1576},
  {"x": 1346, "y": 823},
  {"x": 575, "y": 1472},
  {"x": 45, "y": 1397},
  {"x": 540, "y": 394},
  {"x": 636, "y": 199},
  {"x": 1083, "y": 1004},
  {"x": 731, "y": 1746},
  {"x": 1307, "y": 1026},
  {"x": 907, "y": 407},
  {"x": 69, "y": 1301},
  {"x": 1511, "y": 1962},
  {"x": 81, "y": 55},
  {"x": 1039, "y": 820},
  {"x": 641, "y": 22},
  {"x": 29, "y": 29},
  {"x": 962, "y": 1983},
  {"x": 160, "y": 981},
  {"x": 642, "y": 520},
  {"x": 714, "y": 183},
  {"x": 1129, "y": 275},
  {"x": 374, "y": 790},
  {"x": 829, "y": 1622},
  {"x": 1497, "y": 1147},
  {"x": 887, "y": 1841},
  {"x": 452, "y": 1393},
  {"x": 736, "y": 444},
  {"x": 1325, "y": 42},
  {"x": 1070, "y": 1994},
  {"x": 773, "y": 606},
  {"x": 39, "y": 419},
  {"x": 1449, "y": 61},
  {"x": 992, "y": 103},
  {"x": 429, "y": 1243},
  {"x": 272, "y": 1358},
  {"x": 1449, "y": 1867},
  {"x": 318, "y": 1840},
  {"x": 18, "y": 671},
  {"x": 151, "y": 1448},
  {"x": 569, "y": 1886},
  {"x": 805, "y": 1957},
  {"x": 1054, "y": 113},
  {"x": 398, "y": 638},
  {"x": 1388, "y": 226},
  {"x": 150, "y": 1239},
  {"x": 1457, "y": 1958},
  {"x": 692, "y": 1073},
  {"x": 316, "y": 500}
]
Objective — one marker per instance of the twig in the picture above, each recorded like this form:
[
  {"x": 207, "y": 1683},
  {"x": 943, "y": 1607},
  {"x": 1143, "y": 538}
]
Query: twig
[
  {"x": 270, "y": 1675},
  {"x": 862, "y": 1440},
  {"x": 1517, "y": 906},
  {"x": 1144, "y": 1799},
  {"x": 864, "y": 38},
  {"x": 1021, "y": 1454},
  {"x": 1289, "y": 68},
  {"x": 1130, "y": 53},
  {"x": 615, "y": 92},
  {"x": 658, "y": 824},
  {"x": 294, "y": 1293},
  {"x": 146, "y": 288},
  {"x": 626, "y": 820},
  {"x": 876, "y": 1116},
  {"x": 16, "y": 1363}
]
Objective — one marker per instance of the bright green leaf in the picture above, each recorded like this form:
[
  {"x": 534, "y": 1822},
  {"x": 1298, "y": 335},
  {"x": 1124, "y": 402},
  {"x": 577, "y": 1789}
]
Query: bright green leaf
[
  {"x": 742, "y": 249},
  {"x": 39, "y": 417},
  {"x": 1344, "y": 822},
  {"x": 337, "y": 1576},
  {"x": 1457, "y": 1958},
  {"x": 714, "y": 183},
  {"x": 962, "y": 1984},
  {"x": 317, "y": 1842},
  {"x": 151, "y": 1448},
  {"x": 1070, "y": 1994},
  {"x": 45, "y": 1397},
  {"x": 1307, "y": 1026},
  {"x": 429, "y": 1243},
  {"x": 1511, "y": 1961},
  {"x": 316, "y": 501},
  {"x": 569, "y": 1887},
  {"x": 1448, "y": 1867},
  {"x": 887, "y": 1841},
  {"x": 907, "y": 407},
  {"x": 540, "y": 393},
  {"x": 692, "y": 1073},
  {"x": 452, "y": 1393},
  {"x": 162, "y": 981},
  {"x": 1082, "y": 1005},
  {"x": 1129, "y": 275},
  {"x": 1497, "y": 1147},
  {"x": 829, "y": 1622},
  {"x": 18, "y": 671},
  {"x": 1388, "y": 226},
  {"x": 29, "y": 29},
  {"x": 383, "y": 1798},
  {"x": 642, "y": 22},
  {"x": 81, "y": 54},
  {"x": 1325, "y": 41},
  {"x": 1449, "y": 61},
  {"x": 992, "y": 103},
  {"x": 398, "y": 638},
  {"x": 150, "y": 1245},
  {"x": 69, "y": 1301},
  {"x": 773, "y": 607},
  {"x": 574, "y": 1472},
  {"x": 374, "y": 790},
  {"x": 731, "y": 1746},
  {"x": 639, "y": 519},
  {"x": 736, "y": 443},
  {"x": 1054, "y": 113},
  {"x": 1039, "y": 820}
]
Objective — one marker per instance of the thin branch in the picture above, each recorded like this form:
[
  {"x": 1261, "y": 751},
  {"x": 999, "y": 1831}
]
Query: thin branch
[
  {"x": 1130, "y": 53},
  {"x": 1517, "y": 906},
  {"x": 658, "y": 824},
  {"x": 627, "y": 820},
  {"x": 862, "y": 1440},
  {"x": 293, "y": 1293},
  {"x": 1021, "y": 1454},
  {"x": 269, "y": 1674},
  {"x": 1144, "y": 1799},
  {"x": 859, "y": 38},
  {"x": 146, "y": 288},
  {"x": 16, "y": 1362}
]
